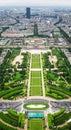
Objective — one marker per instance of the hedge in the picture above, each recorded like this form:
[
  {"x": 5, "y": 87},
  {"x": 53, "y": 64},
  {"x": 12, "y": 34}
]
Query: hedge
[
  {"x": 21, "y": 120},
  {"x": 62, "y": 95},
  {"x": 13, "y": 114},
  {"x": 5, "y": 127},
  {"x": 53, "y": 95},
  {"x": 8, "y": 96},
  {"x": 8, "y": 119},
  {"x": 63, "y": 118},
  {"x": 50, "y": 121},
  {"x": 59, "y": 113},
  {"x": 3, "y": 93},
  {"x": 62, "y": 89}
]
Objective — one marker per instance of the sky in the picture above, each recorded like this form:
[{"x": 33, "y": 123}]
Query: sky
[{"x": 36, "y": 2}]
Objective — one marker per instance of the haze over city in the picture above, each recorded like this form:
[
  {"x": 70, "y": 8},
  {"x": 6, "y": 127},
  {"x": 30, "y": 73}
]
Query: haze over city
[{"x": 35, "y": 2}]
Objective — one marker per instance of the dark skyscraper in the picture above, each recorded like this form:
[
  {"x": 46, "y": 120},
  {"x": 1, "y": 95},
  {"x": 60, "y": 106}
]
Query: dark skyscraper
[{"x": 28, "y": 13}]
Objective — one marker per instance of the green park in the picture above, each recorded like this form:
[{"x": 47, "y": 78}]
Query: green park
[{"x": 46, "y": 75}]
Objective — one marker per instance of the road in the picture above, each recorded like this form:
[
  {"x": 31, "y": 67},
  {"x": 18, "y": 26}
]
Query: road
[{"x": 54, "y": 105}]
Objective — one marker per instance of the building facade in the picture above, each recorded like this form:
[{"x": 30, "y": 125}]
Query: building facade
[{"x": 28, "y": 12}]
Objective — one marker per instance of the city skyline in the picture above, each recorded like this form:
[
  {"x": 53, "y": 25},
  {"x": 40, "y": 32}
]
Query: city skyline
[{"x": 36, "y": 2}]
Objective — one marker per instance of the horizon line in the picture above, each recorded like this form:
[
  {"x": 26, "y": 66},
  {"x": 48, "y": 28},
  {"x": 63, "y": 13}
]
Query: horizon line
[{"x": 36, "y": 5}]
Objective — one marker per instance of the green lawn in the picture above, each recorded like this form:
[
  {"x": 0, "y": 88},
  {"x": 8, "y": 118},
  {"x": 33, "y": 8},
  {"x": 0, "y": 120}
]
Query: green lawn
[
  {"x": 35, "y": 61},
  {"x": 36, "y": 124},
  {"x": 36, "y": 104},
  {"x": 36, "y": 91},
  {"x": 17, "y": 76},
  {"x": 36, "y": 83},
  {"x": 35, "y": 74}
]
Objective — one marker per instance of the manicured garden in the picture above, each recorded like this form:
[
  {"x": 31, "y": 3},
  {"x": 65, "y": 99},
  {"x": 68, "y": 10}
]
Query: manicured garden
[
  {"x": 59, "y": 118},
  {"x": 35, "y": 61},
  {"x": 57, "y": 80},
  {"x": 12, "y": 93},
  {"x": 36, "y": 124},
  {"x": 12, "y": 76},
  {"x": 36, "y": 83},
  {"x": 13, "y": 118}
]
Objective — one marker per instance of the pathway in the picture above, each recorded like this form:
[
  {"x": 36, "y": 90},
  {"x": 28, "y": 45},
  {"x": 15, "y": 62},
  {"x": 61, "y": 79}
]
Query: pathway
[
  {"x": 43, "y": 88},
  {"x": 28, "y": 91},
  {"x": 26, "y": 124},
  {"x": 46, "y": 121}
]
